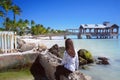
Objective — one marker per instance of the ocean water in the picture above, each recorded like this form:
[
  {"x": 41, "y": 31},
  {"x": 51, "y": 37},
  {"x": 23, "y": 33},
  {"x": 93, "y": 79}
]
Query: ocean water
[{"x": 109, "y": 48}]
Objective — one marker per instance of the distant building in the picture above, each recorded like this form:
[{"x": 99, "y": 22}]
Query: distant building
[{"x": 104, "y": 30}]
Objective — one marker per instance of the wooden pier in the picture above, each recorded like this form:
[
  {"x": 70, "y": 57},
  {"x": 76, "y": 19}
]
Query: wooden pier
[
  {"x": 90, "y": 31},
  {"x": 101, "y": 31}
]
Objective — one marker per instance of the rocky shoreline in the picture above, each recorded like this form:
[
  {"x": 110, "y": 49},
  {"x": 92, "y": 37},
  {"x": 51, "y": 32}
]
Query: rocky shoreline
[
  {"x": 39, "y": 65},
  {"x": 27, "y": 54}
]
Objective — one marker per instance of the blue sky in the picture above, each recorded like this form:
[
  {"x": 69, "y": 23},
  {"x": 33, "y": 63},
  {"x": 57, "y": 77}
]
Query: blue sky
[{"x": 63, "y": 14}]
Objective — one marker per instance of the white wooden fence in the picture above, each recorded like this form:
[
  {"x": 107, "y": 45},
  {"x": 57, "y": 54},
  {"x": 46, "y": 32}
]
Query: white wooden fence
[{"x": 8, "y": 41}]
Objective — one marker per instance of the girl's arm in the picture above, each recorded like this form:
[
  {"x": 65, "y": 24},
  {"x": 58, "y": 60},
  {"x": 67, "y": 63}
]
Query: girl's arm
[{"x": 77, "y": 62}]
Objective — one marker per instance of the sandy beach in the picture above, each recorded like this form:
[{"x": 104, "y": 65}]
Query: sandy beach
[{"x": 44, "y": 40}]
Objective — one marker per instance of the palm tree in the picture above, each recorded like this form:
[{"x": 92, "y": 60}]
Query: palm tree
[
  {"x": 9, "y": 24},
  {"x": 48, "y": 29},
  {"x": 27, "y": 29},
  {"x": 26, "y": 22},
  {"x": 1, "y": 14},
  {"x": 16, "y": 11},
  {"x": 33, "y": 29},
  {"x": 32, "y": 23},
  {"x": 6, "y": 5},
  {"x": 22, "y": 25}
]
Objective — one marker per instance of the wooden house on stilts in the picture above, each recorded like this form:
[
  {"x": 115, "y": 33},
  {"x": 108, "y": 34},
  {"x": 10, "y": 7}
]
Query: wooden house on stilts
[{"x": 102, "y": 31}]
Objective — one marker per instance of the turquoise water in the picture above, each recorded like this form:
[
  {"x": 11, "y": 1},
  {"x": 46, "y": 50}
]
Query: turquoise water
[{"x": 109, "y": 48}]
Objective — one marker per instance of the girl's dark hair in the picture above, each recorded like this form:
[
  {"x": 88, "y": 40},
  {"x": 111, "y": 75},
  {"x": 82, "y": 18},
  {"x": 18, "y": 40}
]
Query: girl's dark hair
[{"x": 69, "y": 47}]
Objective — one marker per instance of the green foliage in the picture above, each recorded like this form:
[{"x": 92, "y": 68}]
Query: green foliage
[
  {"x": 2, "y": 29},
  {"x": 8, "y": 24},
  {"x": 26, "y": 21},
  {"x": 1, "y": 14},
  {"x": 38, "y": 29},
  {"x": 22, "y": 26},
  {"x": 16, "y": 11},
  {"x": 7, "y": 5},
  {"x": 32, "y": 23}
]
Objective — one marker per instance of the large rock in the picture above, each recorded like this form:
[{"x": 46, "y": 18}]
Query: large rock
[
  {"x": 37, "y": 70},
  {"x": 20, "y": 43},
  {"x": 41, "y": 47},
  {"x": 82, "y": 61},
  {"x": 56, "y": 50},
  {"x": 50, "y": 63},
  {"x": 24, "y": 46},
  {"x": 27, "y": 47},
  {"x": 16, "y": 60},
  {"x": 85, "y": 57},
  {"x": 102, "y": 60},
  {"x": 61, "y": 51}
]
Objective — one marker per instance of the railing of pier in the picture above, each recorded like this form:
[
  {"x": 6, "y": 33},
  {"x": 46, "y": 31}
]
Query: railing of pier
[{"x": 7, "y": 41}]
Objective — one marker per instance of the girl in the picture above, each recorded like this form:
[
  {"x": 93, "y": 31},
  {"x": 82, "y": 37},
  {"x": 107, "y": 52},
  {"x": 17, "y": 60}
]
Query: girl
[
  {"x": 70, "y": 58},
  {"x": 70, "y": 61}
]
